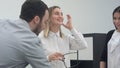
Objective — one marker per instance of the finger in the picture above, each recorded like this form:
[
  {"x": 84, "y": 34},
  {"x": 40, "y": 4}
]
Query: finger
[
  {"x": 59, "y": 54},
  {"x": 64, "y": 24},
  {"x": 68, "y": 16}
]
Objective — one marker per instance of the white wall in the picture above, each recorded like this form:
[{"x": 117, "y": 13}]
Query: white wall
[
  {"x": 89, "y": 16},
  {"x": 10, "y": 8}
]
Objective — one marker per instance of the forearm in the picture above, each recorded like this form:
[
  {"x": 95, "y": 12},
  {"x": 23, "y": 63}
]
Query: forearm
[
  {"x": 78, "y": 39},
  {"x": 102, "y": 64}
]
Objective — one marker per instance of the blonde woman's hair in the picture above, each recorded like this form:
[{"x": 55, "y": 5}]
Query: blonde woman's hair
[
  {"x": 47, "y": 27},
  {"x": 46, "y": 30}
]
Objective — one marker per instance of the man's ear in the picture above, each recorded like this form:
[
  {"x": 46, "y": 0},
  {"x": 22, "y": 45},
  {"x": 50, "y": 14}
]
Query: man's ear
[{"x": 36, "y": 20}]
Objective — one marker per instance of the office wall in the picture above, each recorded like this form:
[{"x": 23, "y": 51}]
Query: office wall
[{"x": 89, "y": 16}]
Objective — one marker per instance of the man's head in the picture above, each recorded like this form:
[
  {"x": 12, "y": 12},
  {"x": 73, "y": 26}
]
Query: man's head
[{"x": 35, "y": 12}]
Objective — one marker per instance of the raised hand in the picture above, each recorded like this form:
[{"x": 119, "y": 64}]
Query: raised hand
[{"x": 68, "y": 25}]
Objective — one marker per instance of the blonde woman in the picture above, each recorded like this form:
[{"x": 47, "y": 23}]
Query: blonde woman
[{"x": 55, "y": 43}]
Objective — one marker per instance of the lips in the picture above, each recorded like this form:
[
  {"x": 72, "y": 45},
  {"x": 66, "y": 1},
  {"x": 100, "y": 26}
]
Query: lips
[{"x": 60, "y": 20}]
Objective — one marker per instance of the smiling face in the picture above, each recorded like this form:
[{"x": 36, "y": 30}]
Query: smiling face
[
  {"x": 56, "y": 17},
  {"x": 116, "y": 20}
]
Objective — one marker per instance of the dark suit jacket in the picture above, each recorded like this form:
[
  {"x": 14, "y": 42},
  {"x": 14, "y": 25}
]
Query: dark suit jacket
[{"x": 104, "y": 53}]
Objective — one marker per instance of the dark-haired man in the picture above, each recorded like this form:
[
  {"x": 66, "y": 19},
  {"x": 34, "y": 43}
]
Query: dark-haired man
[{"x": 19, "y": 44}]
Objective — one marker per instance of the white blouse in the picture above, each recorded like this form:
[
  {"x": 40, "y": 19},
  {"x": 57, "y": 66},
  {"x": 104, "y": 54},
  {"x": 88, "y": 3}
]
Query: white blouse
[
  {"x": 54, "y": 43},
  {"x": 114, "y": 51}
]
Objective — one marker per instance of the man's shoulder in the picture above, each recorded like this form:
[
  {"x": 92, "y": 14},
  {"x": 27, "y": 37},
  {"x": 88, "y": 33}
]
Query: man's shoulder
[{"x": 26, "y": 35}]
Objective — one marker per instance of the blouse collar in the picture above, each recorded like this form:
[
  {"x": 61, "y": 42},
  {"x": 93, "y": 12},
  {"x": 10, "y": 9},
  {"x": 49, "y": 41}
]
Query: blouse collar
[
  {"x": 114, "y": 41},
  {"x": 54, "y": 34}
]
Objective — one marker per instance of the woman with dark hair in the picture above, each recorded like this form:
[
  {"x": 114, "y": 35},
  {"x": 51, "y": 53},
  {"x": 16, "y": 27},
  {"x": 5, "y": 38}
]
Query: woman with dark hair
[
  {"x": 111, "y": 55},
  {"x": 55, "y": 43}
]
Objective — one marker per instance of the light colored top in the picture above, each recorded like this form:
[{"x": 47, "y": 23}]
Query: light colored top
[
  {"x": 19, "y": 46},
  {"x": 114, "y": 51},
  {"x": 54, "y": 43}
]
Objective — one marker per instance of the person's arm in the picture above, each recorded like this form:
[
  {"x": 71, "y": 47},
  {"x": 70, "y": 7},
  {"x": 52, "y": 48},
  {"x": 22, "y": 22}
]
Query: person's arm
[
  {"x": 34, "y": 53},
  {"x": 103, "y": 58},
  {"x": 102, "y": 64},
  {"x": 77, "y": 41}
]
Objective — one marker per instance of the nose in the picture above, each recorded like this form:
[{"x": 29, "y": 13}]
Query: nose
[{"x": 61, "y": 17}]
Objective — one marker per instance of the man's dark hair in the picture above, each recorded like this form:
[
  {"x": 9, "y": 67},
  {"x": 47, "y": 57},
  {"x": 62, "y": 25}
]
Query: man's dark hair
[{"x": 32, "y": 8}]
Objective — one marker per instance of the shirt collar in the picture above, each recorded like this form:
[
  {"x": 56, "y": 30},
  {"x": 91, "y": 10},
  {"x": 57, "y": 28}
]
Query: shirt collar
[
  {"x": 54, "y": 34},
  {"x": 114, "y": 41}
]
